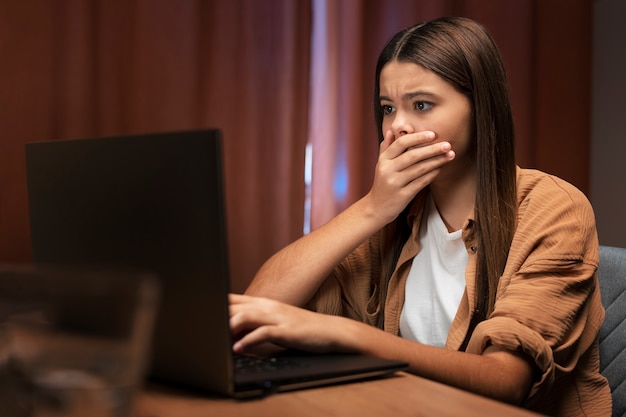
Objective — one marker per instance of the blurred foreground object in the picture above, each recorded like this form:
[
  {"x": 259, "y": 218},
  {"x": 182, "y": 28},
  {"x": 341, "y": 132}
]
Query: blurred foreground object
[{"x": 73, "y": 342}]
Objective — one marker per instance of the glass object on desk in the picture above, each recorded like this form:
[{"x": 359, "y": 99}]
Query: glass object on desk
[{"x": 73, "y": 343}]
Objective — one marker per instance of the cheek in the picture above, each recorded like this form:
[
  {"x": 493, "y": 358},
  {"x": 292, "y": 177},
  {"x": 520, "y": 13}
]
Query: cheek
[
  {"x": 462, "y": 135},
  {"x": 385, "y": 127}
]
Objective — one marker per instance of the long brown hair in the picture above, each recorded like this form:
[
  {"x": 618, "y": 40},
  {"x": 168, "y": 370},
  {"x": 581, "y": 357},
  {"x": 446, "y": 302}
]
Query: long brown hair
[{"x": 463, "y": 53}]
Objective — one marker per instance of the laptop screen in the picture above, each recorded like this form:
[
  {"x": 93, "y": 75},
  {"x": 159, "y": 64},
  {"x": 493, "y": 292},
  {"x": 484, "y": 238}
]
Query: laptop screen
[{"x": 153, "y": 202}]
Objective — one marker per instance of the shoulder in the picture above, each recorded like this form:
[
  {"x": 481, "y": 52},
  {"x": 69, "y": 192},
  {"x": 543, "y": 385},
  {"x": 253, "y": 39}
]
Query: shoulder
[
  {"x": 552, "y": 213},
  {"x": 533, "y": 183},
  {"x": 540, "y": 191}
]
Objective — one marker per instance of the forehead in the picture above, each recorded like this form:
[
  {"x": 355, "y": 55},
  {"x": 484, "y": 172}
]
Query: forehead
[{"x": 406, "y": 77}]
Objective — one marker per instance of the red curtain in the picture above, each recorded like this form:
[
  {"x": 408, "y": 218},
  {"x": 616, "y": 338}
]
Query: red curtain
[{"x": 75, "y": 68}]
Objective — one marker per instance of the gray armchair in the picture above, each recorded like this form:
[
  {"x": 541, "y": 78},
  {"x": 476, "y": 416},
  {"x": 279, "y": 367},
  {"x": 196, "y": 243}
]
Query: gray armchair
[{"x": 612, "y": 276}]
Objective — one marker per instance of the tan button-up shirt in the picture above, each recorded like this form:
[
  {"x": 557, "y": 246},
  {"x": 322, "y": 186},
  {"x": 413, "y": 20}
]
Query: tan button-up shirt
[{"x": 547, "y": 304}]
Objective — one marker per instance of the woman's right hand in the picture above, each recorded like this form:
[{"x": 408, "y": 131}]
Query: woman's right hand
[{"x": 406, "y": 165}]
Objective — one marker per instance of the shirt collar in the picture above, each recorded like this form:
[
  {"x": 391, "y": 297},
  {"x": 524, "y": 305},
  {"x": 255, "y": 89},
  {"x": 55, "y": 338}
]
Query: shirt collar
[{"x": 416, "y": 210}]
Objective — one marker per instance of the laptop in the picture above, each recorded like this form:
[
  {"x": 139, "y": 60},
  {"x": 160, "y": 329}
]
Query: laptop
[{"x": 155, "y": 202}]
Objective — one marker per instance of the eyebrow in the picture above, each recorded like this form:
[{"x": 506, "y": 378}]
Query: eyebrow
[{"x": 409, "y": 96}]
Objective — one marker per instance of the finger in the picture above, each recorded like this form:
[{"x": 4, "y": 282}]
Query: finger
[
  {"x": 435, "y": 159},
  {"x": 237, "y": 302},
  {"x": 256, "y": 337},
  {"x": 411, "y": 141},
  {"x": 420, "y": 175},
  {"x": 243, "y": 320},
  {"x": 417, "y": 176},
  {"x": 423, "y": 158},
  {"x": 387, "y": 140},
  {"x": 235, "y": 299},
  {"x": 425, "y": 152},
  {"x": 254, "y": 313},
  {"x": 238, "y": 298}
]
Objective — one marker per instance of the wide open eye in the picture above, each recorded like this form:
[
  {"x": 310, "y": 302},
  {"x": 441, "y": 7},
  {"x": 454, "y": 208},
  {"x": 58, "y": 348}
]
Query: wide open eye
[
  {"x": 423, "y": 105},
  {"x": 387, "y": 109}
]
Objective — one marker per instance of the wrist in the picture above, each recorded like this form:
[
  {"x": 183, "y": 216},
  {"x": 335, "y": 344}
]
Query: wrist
[
  {"x": 374, "y": 212},
  {"x": 350, "y": 335}
]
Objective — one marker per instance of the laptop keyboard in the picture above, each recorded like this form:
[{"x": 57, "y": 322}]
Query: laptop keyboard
[{"x": 256, "y": 364}]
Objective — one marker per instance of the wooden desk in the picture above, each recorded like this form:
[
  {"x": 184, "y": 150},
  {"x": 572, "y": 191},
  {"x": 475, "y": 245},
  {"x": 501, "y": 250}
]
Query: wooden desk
[{"x": 398, "y": 395}]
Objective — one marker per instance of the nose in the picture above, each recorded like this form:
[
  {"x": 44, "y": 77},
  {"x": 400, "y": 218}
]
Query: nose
[{"x": 401, "y": 125}]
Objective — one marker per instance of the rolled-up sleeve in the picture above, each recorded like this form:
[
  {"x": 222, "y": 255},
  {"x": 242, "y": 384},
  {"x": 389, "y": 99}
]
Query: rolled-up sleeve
[
  {"x": 548, "y": 304},
  {"x": 554, "y": 328}
]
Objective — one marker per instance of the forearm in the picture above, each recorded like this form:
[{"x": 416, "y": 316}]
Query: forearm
[
  {"x": 497, "y": 373},
  {"x": 405, "y": 166},
  {"x": 500, "y": 374},
  {"x": 294, "y": 274}
]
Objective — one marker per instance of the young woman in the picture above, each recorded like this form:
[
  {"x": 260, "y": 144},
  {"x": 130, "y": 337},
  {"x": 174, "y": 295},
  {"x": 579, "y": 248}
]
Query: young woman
[{"x": 476, "y": 272}]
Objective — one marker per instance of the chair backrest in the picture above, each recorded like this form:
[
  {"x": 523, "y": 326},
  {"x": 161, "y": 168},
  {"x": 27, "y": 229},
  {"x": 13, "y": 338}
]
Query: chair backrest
[{"x": 612, "y": 276}]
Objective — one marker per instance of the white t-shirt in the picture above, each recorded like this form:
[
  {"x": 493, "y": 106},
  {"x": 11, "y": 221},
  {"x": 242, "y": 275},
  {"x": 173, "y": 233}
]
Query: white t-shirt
[{"x": 435, "y": 283}]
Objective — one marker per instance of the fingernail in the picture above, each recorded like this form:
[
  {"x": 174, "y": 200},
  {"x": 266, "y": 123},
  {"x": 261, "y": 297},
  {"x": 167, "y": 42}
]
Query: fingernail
[{"x": 445, "y": 146}]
